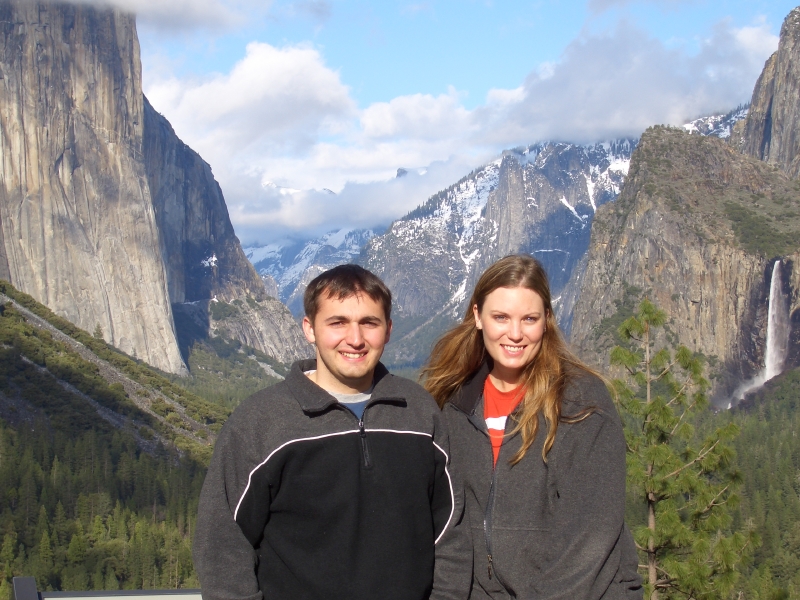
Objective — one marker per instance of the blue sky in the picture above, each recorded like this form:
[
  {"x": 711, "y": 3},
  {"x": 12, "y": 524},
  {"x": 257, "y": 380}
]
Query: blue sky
[{"x": 306, "y": 109}]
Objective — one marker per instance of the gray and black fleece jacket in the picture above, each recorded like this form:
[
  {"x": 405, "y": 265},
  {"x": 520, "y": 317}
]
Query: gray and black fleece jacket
[
  {"x": 303, "y": 500},
  {"x": 539, "y": 530}
]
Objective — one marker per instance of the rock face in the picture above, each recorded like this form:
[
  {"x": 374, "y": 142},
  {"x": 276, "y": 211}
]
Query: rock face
[
  {"x": 696, "y": 229},
  {"x": 203, "y": 255},
  {"x": 105, "y": 215},
  {"x": 771, "y": 131},
  {"x": 204, "y": 260},
  {"x": 540, "y": 200},
  {"x": 78, "y": 226},
  {"x": 266, "y": 325}
]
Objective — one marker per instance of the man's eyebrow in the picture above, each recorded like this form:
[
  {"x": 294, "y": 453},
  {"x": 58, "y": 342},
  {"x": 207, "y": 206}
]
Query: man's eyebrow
[
  {"x": 372, "y": 318},
  {"x": 333, "y": 318},
  {"x": 368, "y": 318}
]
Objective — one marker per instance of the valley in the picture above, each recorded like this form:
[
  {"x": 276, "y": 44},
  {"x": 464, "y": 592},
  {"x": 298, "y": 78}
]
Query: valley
[{"x": 133, "y": 322}]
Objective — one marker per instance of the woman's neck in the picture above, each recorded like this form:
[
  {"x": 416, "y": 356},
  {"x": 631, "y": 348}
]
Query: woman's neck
[{"x": 503, "y": 381}]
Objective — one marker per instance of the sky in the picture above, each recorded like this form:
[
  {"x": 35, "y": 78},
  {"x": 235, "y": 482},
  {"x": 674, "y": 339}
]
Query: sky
[{"x": 305, "y": 109}]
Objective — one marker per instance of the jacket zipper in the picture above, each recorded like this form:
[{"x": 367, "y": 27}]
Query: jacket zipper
[
  {"x": 362, "y": 432},
  {"x": 364, "y": 447},
  {"x": 480, "y": 425},
  {"x": 487, "y": 524}
]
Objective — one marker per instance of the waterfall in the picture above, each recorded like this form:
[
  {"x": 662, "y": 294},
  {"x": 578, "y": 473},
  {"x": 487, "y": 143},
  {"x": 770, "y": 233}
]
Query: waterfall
[
  {"x": 777, "y": 327},
  {"x": 777, "y": 337}
]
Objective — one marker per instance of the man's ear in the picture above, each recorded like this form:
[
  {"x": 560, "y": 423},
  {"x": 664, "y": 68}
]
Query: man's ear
[
  {"x": 308, "y": 330},
  {"x": 388, "y": 331}
]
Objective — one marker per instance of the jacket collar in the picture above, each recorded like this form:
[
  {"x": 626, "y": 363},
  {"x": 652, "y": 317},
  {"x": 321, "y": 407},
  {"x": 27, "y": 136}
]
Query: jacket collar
[
  {"x": 468, "y": 396},
  {"x": 314, "y": 399}
]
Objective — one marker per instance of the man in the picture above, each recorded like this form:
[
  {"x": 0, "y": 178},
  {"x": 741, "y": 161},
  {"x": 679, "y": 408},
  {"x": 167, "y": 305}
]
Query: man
[{"x": 333, "y": 483}]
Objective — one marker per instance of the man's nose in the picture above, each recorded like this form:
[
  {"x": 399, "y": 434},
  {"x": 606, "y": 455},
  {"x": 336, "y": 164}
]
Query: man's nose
[{"x": 354, "y": 337}]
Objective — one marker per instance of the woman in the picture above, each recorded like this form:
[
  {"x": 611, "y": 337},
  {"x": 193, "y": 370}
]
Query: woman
[{"x": 538, "y": 445}]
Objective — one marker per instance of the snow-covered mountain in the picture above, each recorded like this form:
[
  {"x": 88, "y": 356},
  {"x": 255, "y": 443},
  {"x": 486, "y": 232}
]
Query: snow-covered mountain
[
  {"x": 539, "y": 200},
  {"x": 720, "y": 126},
  {"x": 293, "y": 264}
]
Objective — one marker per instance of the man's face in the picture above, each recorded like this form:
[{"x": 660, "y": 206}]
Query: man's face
[{"x": 349, "y": 336}]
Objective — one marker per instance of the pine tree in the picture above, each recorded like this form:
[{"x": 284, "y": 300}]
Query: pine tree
[
  {"x": 8, "y": 553},
  {"x": 60, "y": 525},
  {"x": 6, "y": 591},
  {"x": 77, "y": 545},
  {"x": 46, "y": 551},
  {"x": 684, "y": 485}
]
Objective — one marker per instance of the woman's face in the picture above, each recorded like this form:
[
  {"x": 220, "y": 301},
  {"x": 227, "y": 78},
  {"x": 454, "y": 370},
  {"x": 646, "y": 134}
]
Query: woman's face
[{"x": 513, "y": 323}]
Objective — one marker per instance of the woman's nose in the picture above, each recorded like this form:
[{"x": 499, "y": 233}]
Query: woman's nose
[{"x": 515, "y": 331}]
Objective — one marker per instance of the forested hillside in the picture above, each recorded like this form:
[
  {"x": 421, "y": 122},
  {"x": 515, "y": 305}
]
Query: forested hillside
[
  {"x": 96, "y": 494},
  {"x": 94, "y": 511},
  {"x": 768, "y": 456},
  {"x": 102, "y": 457},
  {"x": 766, "y": 467}
]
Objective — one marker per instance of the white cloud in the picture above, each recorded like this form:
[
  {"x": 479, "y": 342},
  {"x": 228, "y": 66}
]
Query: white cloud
[
  {"x": 757, "y": 40},
  {"x": 275, "y": 215},
  {"x": 619, "y": 83},
  {"x": 281, "y": 115},
  {"x": 274, "y": 101},
  {"x": 419, "y": 116},
  {"x": 501, "y": 97}
]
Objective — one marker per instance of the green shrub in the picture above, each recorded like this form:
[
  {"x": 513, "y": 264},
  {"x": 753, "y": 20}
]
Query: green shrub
[{"x": 221, "y": 310}]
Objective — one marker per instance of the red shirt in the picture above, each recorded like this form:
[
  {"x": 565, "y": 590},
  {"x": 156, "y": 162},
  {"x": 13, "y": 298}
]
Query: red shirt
[{"x": 497, "y": 406}]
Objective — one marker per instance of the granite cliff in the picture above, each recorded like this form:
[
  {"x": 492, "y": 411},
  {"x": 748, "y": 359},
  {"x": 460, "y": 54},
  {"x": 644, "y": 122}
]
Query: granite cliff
[
  {"x": 204, "y": 260},
  {"x": 696, "y": 229},
  {"x": 78, "y": 225},
  {"x": 105, "y": 215},
  {"x": 771, "y": 131}
]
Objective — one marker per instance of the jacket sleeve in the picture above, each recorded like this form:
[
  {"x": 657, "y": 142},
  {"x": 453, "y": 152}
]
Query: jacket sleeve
[
  {"x": 591, "y": 537},
  {"x": 224, "y": 559},
  {"x": 452, "y": 576}
]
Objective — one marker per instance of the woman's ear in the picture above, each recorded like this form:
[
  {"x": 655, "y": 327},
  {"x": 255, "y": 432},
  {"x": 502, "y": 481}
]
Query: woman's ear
[{"x": 476, "y": 313}]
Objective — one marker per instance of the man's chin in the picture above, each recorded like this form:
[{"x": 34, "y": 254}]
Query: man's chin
[{"x": 357, "y": 375}]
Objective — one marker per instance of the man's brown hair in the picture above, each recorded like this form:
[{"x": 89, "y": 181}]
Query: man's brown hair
[{"x": 342, "y": 282}]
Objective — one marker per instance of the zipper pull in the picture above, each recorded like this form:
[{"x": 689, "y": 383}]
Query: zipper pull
[
  {"x": 490, "y": 565},
  {"x": 364, "y": 447}
]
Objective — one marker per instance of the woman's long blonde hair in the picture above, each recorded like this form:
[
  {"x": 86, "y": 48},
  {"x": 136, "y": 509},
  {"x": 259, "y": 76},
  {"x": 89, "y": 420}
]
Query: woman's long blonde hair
[{"x": 460, "y": 352}]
